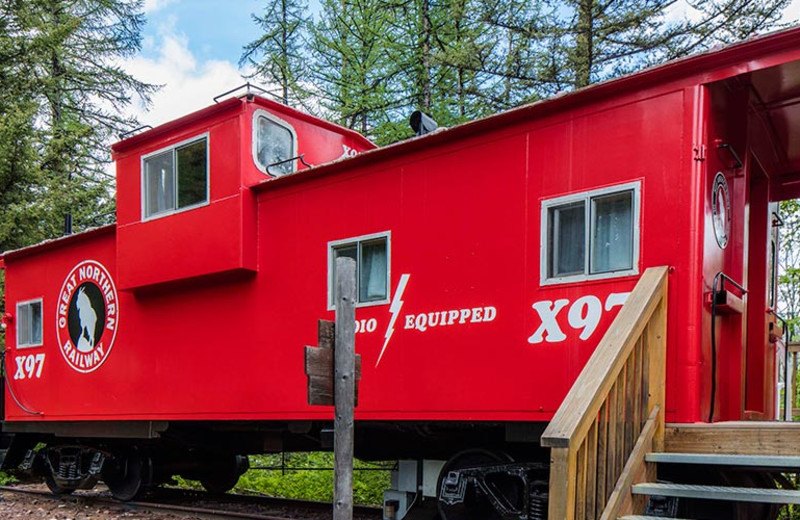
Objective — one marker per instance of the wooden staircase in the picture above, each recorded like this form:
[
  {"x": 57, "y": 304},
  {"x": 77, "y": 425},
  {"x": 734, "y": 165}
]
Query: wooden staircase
[{"x": 609, "y": 443}]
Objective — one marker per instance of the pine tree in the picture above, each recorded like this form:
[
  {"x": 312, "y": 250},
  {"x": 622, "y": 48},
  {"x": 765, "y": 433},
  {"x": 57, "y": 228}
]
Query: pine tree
[
  {"x": 353, "y": 69},
  {"x": 602, "y": 39},
  {"x": 789, "y": 265},
  {"x": 278, "y": 55},
  {"x": 727, "y": 21},
  {"x": 520, "y": 63},
  {"x": 63, "y": 58}
]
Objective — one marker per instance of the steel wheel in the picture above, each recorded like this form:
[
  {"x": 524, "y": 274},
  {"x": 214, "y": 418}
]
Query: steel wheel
[
  {"x": 224, "y": 474},
  {"x": 127, "y": 476},
  {"x": 475, "y": 506},
  {"x": 55, "y": 488}
]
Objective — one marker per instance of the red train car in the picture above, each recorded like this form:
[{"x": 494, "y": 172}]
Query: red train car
[{"x": 491, "y": 258}]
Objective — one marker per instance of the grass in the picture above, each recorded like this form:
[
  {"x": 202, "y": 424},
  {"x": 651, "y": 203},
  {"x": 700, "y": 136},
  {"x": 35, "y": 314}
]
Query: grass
[{"x": 314, "y": 481}]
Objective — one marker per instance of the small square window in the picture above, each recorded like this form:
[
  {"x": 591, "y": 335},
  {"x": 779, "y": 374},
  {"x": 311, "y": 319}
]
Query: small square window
[
  {"x": 371, "y": 254},
  {"x": 273, "y": 145},
  {"x": 29, "y": 324},
  {"x": 590, "y": 235},
  {"x": 176, "y": 178}
]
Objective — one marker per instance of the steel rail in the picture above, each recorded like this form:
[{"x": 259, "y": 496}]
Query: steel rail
[{"x": 212, "y": 514}]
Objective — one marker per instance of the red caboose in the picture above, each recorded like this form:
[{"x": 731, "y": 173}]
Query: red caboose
[{"x": 491, "y": 259}]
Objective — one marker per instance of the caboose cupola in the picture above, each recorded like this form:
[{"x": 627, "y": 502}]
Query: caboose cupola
[{"x": 184, "y": 205}]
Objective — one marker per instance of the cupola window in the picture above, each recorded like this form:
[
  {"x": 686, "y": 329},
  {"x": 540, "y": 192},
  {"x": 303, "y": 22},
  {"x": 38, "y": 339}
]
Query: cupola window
[
  {"x": 176, "y": 178},
  {"x": 274, "y": 144}
]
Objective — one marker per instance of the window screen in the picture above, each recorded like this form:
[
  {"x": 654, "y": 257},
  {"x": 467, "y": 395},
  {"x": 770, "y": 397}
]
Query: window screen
[
  {"x": 372, "y": 267},
  {"x": 590, "y": 234},
  {"x": 176, "y": 178},
  {"x": 29, "y": 324},
  {"x": 274, "y": 146}
]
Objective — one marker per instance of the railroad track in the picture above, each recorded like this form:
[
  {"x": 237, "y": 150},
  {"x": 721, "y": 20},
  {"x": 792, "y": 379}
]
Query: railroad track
[{"x": 214, "y": 507}]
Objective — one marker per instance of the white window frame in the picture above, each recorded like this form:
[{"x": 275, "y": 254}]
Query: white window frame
[
  {"x": 355, "y": 241},
  {"x": 586, "y": 197},
  {"x": 172, "y": 148},
  {"x": 40, "y": 301},
  {"x": 254, "y": 145}
]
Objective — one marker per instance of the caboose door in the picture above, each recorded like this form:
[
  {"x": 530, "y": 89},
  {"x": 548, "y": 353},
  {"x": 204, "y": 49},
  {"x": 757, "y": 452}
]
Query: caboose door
[
  {"x": 726, "y": 250},
  {"x": 737, "y": 263}
]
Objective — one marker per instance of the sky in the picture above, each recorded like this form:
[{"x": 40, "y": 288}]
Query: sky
[{"x": 192, "y": 48}]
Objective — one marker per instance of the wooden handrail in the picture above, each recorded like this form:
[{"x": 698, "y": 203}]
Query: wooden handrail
[{"x": 614, "y": 410}]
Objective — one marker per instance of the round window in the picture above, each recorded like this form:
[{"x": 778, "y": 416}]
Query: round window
[{"x": 721, "y": 210}]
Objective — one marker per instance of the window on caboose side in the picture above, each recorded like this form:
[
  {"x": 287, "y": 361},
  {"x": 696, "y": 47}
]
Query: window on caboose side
[
  {"x": 274, "y": 144},
  {"x": 175, "y": 178},
  {"x": 29, "y": 323},
  {"x": 371, "y": 253},
  {"x": 591, "y": 235}
]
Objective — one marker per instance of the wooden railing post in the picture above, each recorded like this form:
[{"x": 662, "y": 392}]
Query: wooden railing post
[
  {"x": 614, "y": 412},
  {"x": 656, "y": 338}
]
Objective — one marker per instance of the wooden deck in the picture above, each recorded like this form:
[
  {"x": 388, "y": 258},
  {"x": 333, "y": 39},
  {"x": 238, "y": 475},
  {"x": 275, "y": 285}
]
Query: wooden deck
[{"x": 734, "y": 438}]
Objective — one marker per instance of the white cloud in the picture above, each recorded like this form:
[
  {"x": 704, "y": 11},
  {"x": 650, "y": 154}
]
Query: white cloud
[
  {"x": 792, "y": 13},
  {"x": 683, "y": 10},
  {"x": 188, "y": 84},
  {"x": 151, "y": 6}
]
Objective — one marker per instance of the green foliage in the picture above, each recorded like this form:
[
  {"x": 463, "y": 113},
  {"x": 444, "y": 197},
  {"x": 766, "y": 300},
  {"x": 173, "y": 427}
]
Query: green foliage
[
  {"x": 789, "y": 265},
  {"x": 277, "y": 54},
  {"x": 61, "y": 101},
  {"x": 375, "y": 61},
  {"x": 314, "y": 481},
  {"x": 6, "y": 479},
  {"x": 311, "y": 483}
]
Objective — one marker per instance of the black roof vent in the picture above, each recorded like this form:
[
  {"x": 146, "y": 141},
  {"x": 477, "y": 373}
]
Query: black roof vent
[{"x": 421, "y": 123}]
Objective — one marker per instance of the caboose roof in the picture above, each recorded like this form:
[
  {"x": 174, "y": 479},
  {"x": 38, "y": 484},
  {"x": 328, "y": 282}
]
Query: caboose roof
[
  {"x": 56, "y": 242},
  {"x": 772, "y": 61},
  {"x": 228, "y": 105}
]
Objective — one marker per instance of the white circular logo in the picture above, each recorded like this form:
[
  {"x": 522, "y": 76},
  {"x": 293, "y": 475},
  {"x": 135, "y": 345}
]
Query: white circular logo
[
  {"x": 721, "y": 210},
  {"x": 87, "y": 316}
]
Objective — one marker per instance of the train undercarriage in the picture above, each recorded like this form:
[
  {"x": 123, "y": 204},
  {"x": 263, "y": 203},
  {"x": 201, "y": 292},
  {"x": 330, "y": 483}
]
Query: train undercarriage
[
  {"x": 456, "y": 470},
  {"x": 444, "y": 471}
]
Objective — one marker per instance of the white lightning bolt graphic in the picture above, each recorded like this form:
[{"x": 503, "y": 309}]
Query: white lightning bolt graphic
[{"x": 394, "y": 308}]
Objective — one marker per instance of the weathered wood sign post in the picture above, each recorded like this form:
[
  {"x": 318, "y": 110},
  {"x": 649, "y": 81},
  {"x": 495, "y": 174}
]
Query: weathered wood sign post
[
  {"x": 344, "y": 388},
  {"x": 333, "y": 368}
]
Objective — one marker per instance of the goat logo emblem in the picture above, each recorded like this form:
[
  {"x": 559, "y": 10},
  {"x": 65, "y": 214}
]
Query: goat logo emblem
[{"x": 87, "y": 316}]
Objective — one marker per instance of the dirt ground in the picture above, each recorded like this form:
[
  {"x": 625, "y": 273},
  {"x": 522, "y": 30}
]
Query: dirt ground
[{"x": 25, "y": 507}]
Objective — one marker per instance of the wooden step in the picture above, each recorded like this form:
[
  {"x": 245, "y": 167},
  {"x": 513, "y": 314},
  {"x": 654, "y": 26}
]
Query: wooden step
[
  {"x": 733, "y": 494},
  {"x": 783, "y": 463},
  {"x": 734, "y": 438}
]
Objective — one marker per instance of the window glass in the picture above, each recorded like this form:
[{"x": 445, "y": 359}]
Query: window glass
[
  {"x": 568, "y": 242},
  {"x": 612, "y": 238},
  {"x": 274, "y": 143},
  {"x": 350, "y": 251},
  {"x": 372, "y": 275},
  {"x": 191, "y": 161},
  {"x": 372, "y": 268},
  {"x": 591, "y": 233},
  {"x": 29, "y": 324},
  {"x": 176, "y": 178},
  {"x": 160, "y": 184}
]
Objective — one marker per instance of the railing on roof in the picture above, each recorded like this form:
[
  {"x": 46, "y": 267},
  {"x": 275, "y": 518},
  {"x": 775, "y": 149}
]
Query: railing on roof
[{"x": 613, "y": 414}]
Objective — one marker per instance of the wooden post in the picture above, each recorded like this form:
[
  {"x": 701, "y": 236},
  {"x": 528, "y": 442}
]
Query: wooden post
[{"x": 344, "y": 389}]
